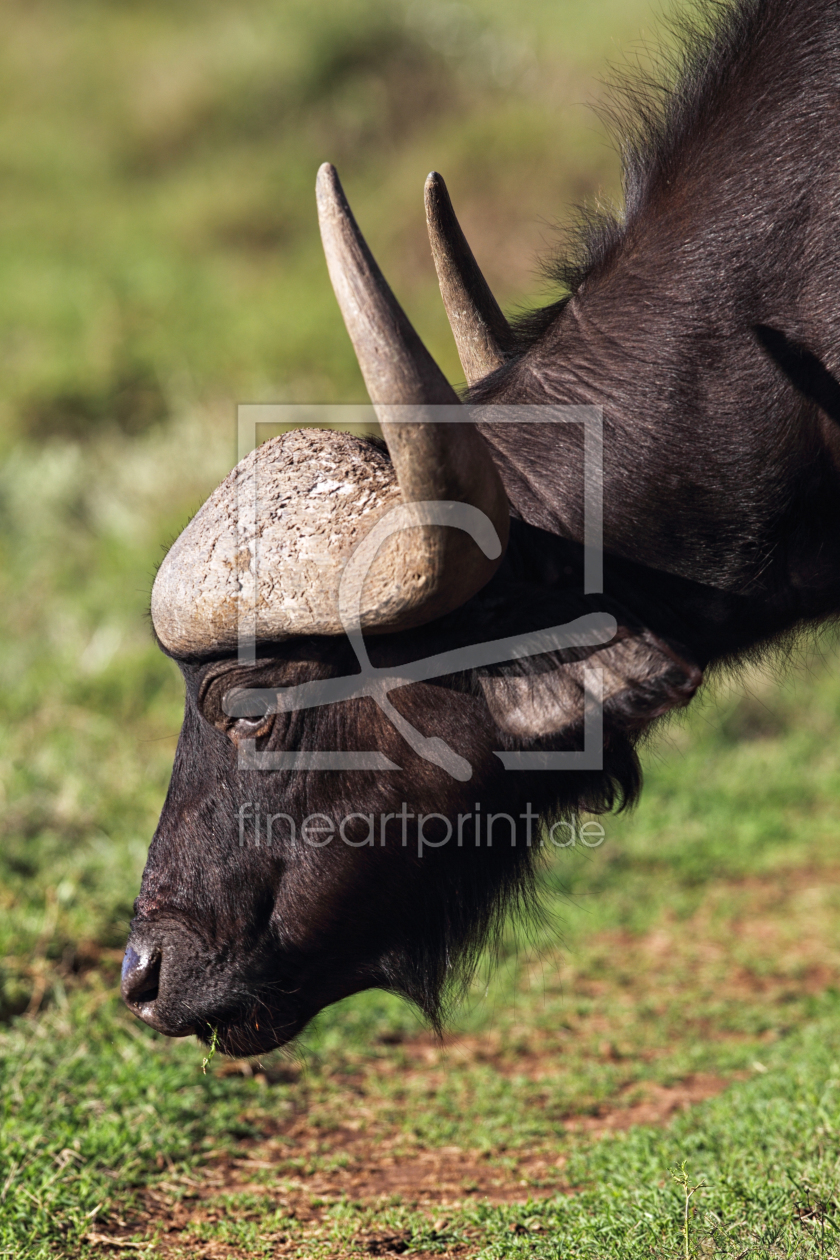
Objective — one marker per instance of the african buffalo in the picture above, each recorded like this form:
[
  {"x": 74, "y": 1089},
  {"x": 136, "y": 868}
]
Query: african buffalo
[{"x": 704, "y": 325}]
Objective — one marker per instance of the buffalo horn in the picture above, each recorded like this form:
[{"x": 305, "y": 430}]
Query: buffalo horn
[
  {"x": 435, "y": 457},
  {"x": 318, "y": 533},
  {"x": 482, "y": 334}
]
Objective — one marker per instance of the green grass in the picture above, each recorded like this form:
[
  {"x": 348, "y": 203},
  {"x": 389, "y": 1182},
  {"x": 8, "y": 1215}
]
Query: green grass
[
  {"x": 762, "y": 1155},
  {"x": 160, "y": 261}
]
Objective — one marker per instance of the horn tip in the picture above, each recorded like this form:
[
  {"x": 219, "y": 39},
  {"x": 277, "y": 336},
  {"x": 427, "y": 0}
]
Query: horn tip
[
  {"x": 327, "y": 181},
  {"x": 435, "y": 189}
]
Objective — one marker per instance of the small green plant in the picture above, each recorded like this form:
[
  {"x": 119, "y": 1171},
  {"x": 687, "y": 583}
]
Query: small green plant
[
  {"x": 214, "y": 1041},
  {"x": 680, "y": 1176}
]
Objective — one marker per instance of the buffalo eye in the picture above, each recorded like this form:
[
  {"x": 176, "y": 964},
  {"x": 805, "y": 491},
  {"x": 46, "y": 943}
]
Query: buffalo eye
[
  {"x": 253, "y": 723},
  {"x": 242, "y": 728},
  {"x": 248, "y": 721}
]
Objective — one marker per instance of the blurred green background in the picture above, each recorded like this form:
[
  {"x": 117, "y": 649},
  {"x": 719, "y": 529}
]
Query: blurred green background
[
  {"x": 159, "y": 242},
  {"x": 160, "y": 263}
]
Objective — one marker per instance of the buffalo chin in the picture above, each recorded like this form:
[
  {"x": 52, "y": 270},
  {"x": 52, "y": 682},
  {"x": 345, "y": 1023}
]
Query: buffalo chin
[{"x": 242, "y": 1040}]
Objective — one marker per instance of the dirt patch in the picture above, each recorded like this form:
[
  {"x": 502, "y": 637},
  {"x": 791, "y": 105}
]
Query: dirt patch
[
  {"x": 659, "y": 1105},
  {"x": 375, "y": 1167},
  {"x": 370, "y": 1171}
]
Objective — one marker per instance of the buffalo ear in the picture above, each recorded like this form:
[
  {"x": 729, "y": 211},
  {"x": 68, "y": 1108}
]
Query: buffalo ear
[{"x": 642, "y": 678}]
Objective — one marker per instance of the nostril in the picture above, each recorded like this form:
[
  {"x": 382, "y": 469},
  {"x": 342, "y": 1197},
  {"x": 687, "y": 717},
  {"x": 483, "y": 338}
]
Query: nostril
[{"x": 140, "y": 976}]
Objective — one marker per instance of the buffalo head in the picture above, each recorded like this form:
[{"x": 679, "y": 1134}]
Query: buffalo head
[{"x": 284, "y": 875}]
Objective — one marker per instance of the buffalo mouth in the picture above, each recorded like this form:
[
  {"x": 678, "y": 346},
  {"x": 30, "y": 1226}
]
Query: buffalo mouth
[
  {"x": 178, "y": 985},
  {"x": 235, "y": 1027}
]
